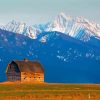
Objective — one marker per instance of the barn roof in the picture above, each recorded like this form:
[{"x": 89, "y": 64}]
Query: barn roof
[{"x": 29, "y": 66}]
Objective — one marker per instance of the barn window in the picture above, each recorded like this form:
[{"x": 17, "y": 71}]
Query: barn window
[{"x": 24, "y": 77}]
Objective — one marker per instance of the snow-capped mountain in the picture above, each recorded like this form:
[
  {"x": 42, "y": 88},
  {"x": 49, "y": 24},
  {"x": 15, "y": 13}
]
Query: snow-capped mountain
[
  {"x": 13, "y": 26},
  {"x": 79, "y": 28},
  {"x": 21, "y": 28}
]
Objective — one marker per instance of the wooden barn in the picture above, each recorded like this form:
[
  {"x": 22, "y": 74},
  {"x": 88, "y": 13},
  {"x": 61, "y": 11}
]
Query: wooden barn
[{"x": 25, "y": 71}]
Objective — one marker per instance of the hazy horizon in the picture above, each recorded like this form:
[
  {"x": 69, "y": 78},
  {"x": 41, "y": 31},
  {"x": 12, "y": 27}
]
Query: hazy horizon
[{"x": 36, "y": 11}]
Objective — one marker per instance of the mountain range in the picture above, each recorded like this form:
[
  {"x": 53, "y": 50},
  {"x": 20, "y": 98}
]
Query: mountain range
[
  {"x": 78, "y": 27},
  {"x": 69, "y": 49}
]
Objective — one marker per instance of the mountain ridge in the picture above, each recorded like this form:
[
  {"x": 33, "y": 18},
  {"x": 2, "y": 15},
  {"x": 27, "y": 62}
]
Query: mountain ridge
[{"x": 79, "y": 27}]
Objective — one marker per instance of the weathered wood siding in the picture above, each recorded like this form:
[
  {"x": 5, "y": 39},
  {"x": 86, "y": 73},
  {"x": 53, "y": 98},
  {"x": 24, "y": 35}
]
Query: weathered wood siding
[
  {"x": 12, "y": 75},
  {"x": 33, "y": 77}
]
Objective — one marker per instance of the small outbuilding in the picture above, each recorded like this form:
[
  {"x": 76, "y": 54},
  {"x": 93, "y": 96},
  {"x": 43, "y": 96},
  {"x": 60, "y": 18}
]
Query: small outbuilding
[{"x": 25, "y": 71}]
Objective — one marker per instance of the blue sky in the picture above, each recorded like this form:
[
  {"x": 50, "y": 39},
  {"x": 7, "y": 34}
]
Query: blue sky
[{"x": 42, "y": 11}]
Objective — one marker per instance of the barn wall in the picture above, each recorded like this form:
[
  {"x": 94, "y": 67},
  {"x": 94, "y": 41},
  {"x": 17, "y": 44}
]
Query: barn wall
[
  {"x": 12, "y": 75},
  {"x": 32, "y": 77}
]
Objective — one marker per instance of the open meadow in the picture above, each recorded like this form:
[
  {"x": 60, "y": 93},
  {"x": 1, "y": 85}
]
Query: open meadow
[{"x": 47, "y": 91}]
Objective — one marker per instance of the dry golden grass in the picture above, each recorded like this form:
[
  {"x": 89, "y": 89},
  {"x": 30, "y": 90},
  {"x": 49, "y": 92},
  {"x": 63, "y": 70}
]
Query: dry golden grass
[{"x": 46, "y": 91}]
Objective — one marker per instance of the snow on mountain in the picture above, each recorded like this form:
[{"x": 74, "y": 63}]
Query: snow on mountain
[
  {"x": 21, "y": 28},
  {"x": 14, "y": 26},
  {"x": 79, "y": 28}
]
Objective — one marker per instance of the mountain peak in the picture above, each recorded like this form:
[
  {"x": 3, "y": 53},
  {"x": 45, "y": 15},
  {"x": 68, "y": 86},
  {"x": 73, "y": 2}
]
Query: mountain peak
[
  {"x": 64, "y": 16},
  {"x": 78, "y": 27},
  {"x": 73, "y": 26},
  {"x": 14, "y": 22}
]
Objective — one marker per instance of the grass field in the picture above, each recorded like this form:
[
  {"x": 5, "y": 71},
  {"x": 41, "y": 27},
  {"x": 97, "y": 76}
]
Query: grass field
[{"x": 47, "y": 91}]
